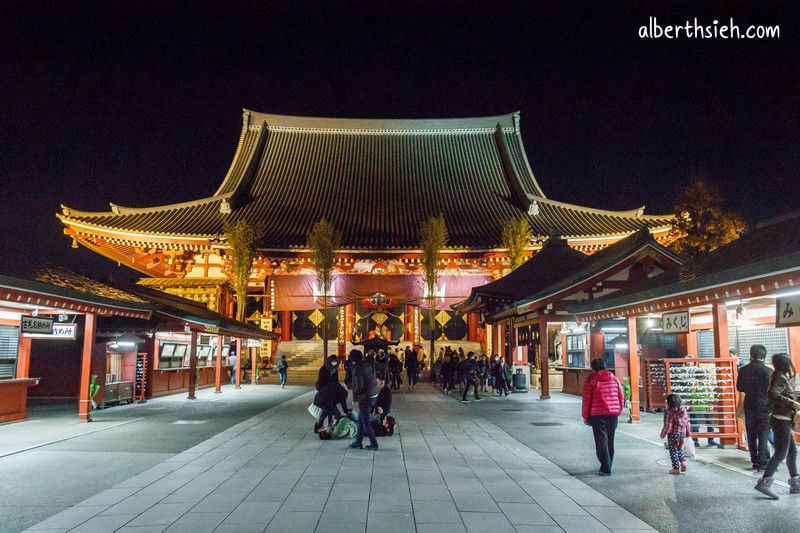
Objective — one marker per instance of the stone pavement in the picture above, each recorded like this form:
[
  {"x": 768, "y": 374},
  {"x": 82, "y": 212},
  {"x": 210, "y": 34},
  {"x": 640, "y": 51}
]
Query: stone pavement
[{"x": 446, "y": 469}]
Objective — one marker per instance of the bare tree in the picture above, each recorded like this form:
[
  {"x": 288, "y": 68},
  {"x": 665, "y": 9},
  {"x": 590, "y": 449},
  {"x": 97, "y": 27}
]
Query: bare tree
[
  {"x": 323, "y": 240},
  {"x": 432, "y": 240}
]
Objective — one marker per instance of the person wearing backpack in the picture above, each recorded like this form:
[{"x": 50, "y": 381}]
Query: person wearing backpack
[
  {"x": 783, "y": 406},
  {"x": 283, "y": 366}
]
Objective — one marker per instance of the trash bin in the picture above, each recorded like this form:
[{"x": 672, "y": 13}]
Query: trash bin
[{"x": 520, "y": 379}]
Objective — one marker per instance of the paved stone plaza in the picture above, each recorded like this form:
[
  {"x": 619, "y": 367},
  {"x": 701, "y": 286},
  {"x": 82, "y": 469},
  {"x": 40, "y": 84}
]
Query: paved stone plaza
[{"x": 450, "y": 467}]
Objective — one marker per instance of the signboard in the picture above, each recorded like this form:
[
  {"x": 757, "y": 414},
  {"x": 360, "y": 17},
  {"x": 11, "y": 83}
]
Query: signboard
[
  {"x": 141, "y": 367},
  {"x": 787, "y": 311},
  {"x": 675, "y": 322},
  {"x": 60, "y": 331},
  {"x": 42, "y": 325}
]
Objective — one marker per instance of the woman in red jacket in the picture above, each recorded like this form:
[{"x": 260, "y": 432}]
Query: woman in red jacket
[{"x": 602, "y": 404}]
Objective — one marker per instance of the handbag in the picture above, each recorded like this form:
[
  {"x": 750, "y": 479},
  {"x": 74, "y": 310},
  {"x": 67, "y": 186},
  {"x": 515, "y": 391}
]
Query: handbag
[
  {"x": 315, "y": 411},
  {"x": 688, "y": 448},
  {"x": 796, "y": 422}
]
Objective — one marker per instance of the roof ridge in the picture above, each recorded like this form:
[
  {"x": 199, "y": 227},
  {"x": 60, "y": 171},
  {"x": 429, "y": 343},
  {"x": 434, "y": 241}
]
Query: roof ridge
[
  {"x": 121, "y": 210},
  {"x": 630, "y": 213},
  {"x": 308, "y": 123}
]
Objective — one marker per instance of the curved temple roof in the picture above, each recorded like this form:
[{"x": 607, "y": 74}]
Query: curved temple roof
[{"x": 376, "y": 180}]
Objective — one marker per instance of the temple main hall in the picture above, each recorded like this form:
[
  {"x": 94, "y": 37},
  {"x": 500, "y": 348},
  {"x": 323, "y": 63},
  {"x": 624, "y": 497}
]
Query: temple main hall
[{"x": 376, "y": 181}]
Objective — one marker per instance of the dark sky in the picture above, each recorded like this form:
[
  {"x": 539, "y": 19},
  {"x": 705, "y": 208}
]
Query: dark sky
[{"x": 141, "y": 104}]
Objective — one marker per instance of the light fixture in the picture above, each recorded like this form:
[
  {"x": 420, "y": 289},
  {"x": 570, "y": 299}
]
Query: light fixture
[
  {"x": 650, "y": 323},
  {"x": 612, "y": 329},
  {"x": 128, "y": 341}
]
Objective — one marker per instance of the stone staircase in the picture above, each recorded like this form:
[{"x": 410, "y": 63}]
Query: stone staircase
[{"x": 305, "y": 358}]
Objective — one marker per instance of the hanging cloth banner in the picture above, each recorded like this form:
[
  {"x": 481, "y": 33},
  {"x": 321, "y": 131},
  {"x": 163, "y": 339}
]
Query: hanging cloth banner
[{"x": 300, "y": 292}]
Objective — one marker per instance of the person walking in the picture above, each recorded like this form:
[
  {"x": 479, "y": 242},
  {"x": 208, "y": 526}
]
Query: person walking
[
  {"x": 365, "y": 390},
  {"x": 753, "y": 382},
  {"x": 470, "y": 378},
  {"x": 232, "y": 361},
  {"x": 501, "y": 376},
  {"x": 601, "y": 405},
  {"x": 676, "y": 428},
  {"x": 283, "y": 366},
  {"x": 782, "y": 406},
  {"x": 412, "y": 369}
]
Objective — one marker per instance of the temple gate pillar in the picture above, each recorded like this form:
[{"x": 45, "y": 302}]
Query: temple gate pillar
[
  {"x": 408, "y": 318},
  {"x": 192, "y": 366},
  {"x": 633, "y": 366},
  {"x": 472, "y": 327},
  {"x": 218, "y": 367},
  {"x": 89, "y": 331},
  {"x": 286, "y": 325}
]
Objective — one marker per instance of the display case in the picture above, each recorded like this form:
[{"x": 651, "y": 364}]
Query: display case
[{"x": 576, "y": 350}]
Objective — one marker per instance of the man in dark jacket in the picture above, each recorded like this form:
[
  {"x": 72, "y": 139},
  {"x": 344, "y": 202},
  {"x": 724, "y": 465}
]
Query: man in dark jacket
[
  {"x": 328, "y": 372},
  {"x": 501, "y": 376},
  {"x": 329, "y": 398},
  {"x": 365, "y": 390},
  {"x": 753, "y": 381},
  {"x": 383, "y": 403},
  {"x": 412, "y": 368},
  {"x": 470, "y": 366}
]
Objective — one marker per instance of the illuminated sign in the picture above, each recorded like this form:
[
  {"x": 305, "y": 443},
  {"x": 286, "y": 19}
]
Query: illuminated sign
[
  {"x": 675, "y": 322},
  {"x": 42, "y": 325},
  {"x": 60, "y": 331}
]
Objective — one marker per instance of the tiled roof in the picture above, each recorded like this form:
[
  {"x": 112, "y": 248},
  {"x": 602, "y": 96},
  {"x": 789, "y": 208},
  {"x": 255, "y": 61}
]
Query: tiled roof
[
  {"x": 767, "y": 249},
  {"x": 376, "y": 180},
  {"x": 555, "y": 261},
  {"x": 558, "y": 267}
]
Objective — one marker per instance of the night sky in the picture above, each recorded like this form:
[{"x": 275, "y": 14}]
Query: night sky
[{"x": 141, "y": 105}]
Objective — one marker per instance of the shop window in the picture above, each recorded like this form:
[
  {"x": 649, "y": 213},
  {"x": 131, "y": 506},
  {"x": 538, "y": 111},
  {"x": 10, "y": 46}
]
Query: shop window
[
  {"x": 576, "y": 350},
  {"x": 113, "y": 367},
  {"x": 9, "y": 344},
  {"x": 172, "y": 355}
]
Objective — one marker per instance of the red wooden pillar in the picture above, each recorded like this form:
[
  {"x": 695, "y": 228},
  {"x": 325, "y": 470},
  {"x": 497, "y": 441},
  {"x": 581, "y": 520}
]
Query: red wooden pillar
[
  {"x": 409, "y": 323},
  {"x": 89, "y": 330},
  {"x": 238, "y": 368},
  {"x": 286, "y": 325},
  {"x": 794, "y": 345},
  {"x": 722, "y": 348},
  {"x": 633, "y": 366},
  {"x": 597, "y": 345},
  {"x": 218, "y": 367},
  {"x": 544, "y": 359},
  {"x": 23, "y": 357},
  {"x": 253, "y": 364},
  {"x": 501, "y": 340},
  {"x": 472, "y": 327},
  {"x": 350, "y": 315},
  {"x": 193, "y": 366},
  {"x": 719, "y": 318}
]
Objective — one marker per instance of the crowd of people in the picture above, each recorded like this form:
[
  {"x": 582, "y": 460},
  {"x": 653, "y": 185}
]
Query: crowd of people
[
  {"x": 455, "y": 369},
  {"x": 768, "y": 401}
]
